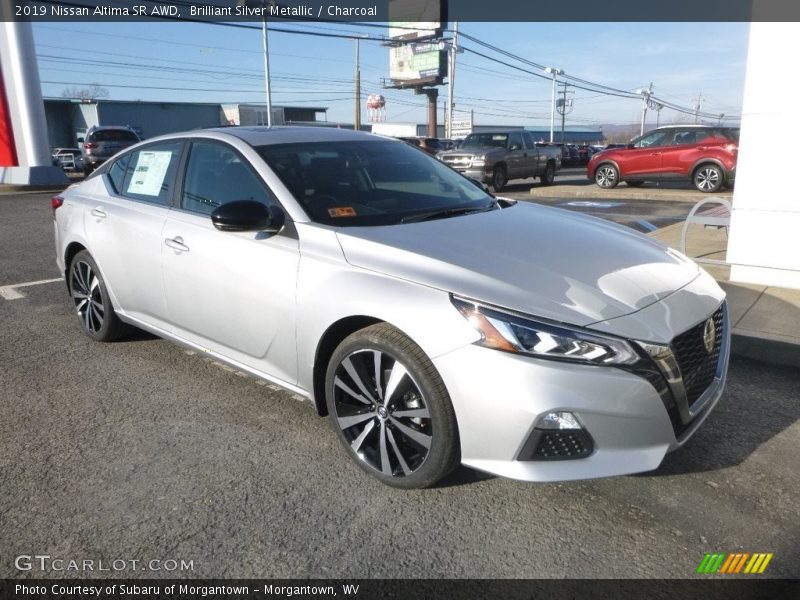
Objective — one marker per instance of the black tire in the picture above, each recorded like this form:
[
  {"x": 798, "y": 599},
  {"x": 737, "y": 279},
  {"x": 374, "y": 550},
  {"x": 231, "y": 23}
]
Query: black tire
[
  {"x": 549, "y": 175},
  {"x": 499, "y": 178},
  {"x": 708, "y": 178},
  {"x": 634, "y": 183},
  {"x": 606, "y": 176},
  {"x": 410, "y": 450},
  {"x": 93, "y": 305}
]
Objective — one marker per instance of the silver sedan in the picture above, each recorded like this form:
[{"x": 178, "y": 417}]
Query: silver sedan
[{"x": 435, "y": 324}]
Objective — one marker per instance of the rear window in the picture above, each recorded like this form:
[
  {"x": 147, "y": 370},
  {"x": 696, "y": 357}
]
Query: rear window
[{"x": 114, "y": 135}]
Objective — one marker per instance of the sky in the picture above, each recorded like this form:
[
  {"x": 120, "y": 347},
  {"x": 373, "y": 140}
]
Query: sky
[{"x": 201, "y": 62}]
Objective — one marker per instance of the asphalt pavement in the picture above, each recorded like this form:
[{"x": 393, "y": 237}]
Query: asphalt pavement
[{"x": 138, "y": 450}]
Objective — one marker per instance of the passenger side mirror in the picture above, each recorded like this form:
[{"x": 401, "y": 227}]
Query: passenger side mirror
[{"x": 248, "y": 215}]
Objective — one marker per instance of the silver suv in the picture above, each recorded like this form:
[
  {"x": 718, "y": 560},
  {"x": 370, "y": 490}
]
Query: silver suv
[{"x": 101, "y": 143}]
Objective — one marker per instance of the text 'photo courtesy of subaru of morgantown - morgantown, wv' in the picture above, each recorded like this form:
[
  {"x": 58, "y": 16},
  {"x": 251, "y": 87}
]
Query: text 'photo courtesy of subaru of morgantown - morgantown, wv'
[{"x": 434, "y": 323}]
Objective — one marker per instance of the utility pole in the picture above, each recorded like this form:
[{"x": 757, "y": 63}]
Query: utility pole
[
  {"x": 451, "y": 82},
  {"x": 554, "y": 72},
  {"x": 564, "y": 107},
  {"x": 357, "y": 118},
  {"x": 263, "y": 4},
  {"x": 645, "y": 101},
  {"x": 697, "y": 105}
]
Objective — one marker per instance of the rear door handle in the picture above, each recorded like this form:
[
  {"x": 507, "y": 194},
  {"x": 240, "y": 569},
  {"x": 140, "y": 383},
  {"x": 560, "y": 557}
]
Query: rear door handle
[
  {"x": 176, "y": 243},
  {"x": 99, "y": 213}
]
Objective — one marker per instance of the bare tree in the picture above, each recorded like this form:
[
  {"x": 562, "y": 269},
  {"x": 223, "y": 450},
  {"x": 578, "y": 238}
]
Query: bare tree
[{"x": 94, "y": 92}]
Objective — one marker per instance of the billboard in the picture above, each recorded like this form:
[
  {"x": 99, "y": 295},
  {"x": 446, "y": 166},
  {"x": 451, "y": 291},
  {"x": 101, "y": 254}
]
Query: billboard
[
  {"x": 412, "y": 64},
  {"x": 416, "y": 19}
]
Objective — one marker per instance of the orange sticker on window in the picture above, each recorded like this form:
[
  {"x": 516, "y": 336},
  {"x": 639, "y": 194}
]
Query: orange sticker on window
[{"x": 342, "y": 211}]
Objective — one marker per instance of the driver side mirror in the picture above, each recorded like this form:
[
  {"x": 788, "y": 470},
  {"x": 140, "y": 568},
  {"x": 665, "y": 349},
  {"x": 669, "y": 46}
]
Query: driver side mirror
[{"x": 248, "y": 215}]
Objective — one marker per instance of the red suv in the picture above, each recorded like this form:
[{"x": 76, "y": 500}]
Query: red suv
[{"x": 704, "y": 155}]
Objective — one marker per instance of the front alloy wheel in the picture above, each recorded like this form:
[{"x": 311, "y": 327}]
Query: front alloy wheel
[
  {"x": 390, "y": 408},
  {"x": 708, "y": 178},
  {"x": 606, "y": 176}
]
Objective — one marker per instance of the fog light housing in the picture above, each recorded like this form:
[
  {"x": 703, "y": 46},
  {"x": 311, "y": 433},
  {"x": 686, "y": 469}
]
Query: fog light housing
[
  {"x": 559, "y": 420},
  {"x": 557, "y": 436}
]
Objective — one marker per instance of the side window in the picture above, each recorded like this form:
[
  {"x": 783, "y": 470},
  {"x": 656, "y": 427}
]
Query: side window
[
  {"x": 217, "y": 174},
  {"x": 515, "y": 141},
  {"x": 116, "y": 172},
  {"x": 150, "y": 171},
  {"x": 529, "y": 141},
  {"x": 657, "y": 138}
]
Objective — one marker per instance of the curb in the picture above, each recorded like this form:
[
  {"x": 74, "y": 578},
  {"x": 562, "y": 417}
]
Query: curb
[
  {"x": 763, "y": 349},
  {"x": 626, "y": 194}
]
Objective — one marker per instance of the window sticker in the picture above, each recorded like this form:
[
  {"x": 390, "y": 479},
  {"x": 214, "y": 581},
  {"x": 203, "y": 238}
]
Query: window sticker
[
  {"x": 149, "y": 173},
  {"x": 342, "y": 211}
]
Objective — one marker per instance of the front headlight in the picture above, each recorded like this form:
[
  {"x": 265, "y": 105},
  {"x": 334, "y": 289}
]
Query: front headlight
[
  {"x": 478, "y": 161},
  {"x": 524, "y": 335}
]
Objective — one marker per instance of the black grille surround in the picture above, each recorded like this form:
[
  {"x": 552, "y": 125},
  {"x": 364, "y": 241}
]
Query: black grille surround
[{"x": 698, "y": 366}]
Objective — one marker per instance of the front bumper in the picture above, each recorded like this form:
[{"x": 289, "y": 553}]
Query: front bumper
[{"x": 500, "y": 397}]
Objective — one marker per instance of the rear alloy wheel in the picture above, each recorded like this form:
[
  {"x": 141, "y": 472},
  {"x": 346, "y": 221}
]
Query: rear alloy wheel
[
  {"x": 708, "y": 178},
  {"x": 606, "y": 176},
  {"x": 390, "y": 408},
  {"x": 499, "y": 178},
  {"x": 549, "y": 175},
  {"x": 92, "y": 303}
]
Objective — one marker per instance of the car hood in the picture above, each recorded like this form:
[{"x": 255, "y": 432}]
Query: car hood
[{"x": 534, "y": 259}]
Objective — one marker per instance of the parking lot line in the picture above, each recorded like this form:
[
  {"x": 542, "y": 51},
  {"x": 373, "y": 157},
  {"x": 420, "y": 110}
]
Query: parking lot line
[{"x": 11, "y": 292}]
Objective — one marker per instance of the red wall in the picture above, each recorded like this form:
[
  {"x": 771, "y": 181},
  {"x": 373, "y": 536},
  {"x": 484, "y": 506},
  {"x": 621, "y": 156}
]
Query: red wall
[{"x": 8, "y": 151}]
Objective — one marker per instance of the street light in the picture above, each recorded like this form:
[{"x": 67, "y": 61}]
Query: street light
[
  {"x": 554, "y": 72},
  {"x": 263, "y": 4}
]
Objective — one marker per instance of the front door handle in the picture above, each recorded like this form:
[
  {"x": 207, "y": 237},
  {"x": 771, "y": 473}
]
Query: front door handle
[
  {"x": 176, "y": 243},
  {"x": 99, "y": 213}
]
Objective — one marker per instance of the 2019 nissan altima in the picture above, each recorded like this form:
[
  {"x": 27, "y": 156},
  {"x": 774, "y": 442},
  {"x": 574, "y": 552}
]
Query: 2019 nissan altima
[{"x": 434, "y": 323}]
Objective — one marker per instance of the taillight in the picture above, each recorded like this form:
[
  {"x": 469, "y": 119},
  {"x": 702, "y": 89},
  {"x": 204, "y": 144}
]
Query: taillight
[
  {"x": 89, "y": 145},
  {"x": 733, "y": 148},
  {"x": 55, "y": 203}
]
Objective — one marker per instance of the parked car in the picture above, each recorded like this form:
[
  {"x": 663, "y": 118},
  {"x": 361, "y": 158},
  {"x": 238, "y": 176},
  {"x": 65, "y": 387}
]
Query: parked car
[
  {"x": 704, "y": 155},
  {"x": 69, "y": 159},
  {"x": 428, "y": 144},
  {"x": 495, "y": 157},
  {"x": 433, "y": 323},
  {"x": 584, "y": 154},
  {"x": 101, "y": 143}
]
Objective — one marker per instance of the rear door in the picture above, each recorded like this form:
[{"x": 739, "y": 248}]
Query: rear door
[{"x": 124, "y": 223}]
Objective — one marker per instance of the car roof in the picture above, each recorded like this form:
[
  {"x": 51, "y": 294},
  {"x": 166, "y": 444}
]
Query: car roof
[{"x": 270, "y": 136}]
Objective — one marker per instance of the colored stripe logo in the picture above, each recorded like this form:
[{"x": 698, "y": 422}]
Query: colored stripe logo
[{"x": 738, "y": 562}]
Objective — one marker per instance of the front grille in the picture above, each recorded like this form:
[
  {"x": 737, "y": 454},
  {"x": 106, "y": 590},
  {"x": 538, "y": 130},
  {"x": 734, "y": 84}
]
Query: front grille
[
  {"x": 557, "y": 444},
  {"x": 461, "y": 160},
  {"x": 698, "y": 365}
]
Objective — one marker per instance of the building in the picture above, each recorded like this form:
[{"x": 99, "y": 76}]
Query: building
[{"x": 68, "y": 120}]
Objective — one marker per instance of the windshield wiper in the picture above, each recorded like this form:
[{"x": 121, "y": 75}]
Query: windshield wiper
[{"x": 447, "y": 212}]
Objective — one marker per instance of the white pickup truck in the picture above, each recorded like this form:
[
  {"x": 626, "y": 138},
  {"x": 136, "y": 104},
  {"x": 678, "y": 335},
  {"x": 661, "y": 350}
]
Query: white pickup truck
[{"x": 496, "y": 157}]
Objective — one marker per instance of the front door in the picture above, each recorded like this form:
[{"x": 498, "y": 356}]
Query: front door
[{"x": 230, "y": 292}]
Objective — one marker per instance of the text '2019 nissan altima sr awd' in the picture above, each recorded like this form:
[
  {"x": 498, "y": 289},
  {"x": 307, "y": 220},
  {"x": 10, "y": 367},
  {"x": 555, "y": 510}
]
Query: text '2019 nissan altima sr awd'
[{"x": 435, "y": 324}]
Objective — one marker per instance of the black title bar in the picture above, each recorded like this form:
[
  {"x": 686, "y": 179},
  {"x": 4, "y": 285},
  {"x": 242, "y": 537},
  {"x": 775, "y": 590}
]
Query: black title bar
[{"x": 382, "y": 10}]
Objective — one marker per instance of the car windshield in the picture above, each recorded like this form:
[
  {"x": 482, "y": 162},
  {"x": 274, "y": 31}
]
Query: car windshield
[
  {"x": 114, "y": 135},
  {"x": 371, "y": 182},
  {"x": 482, "y": 140}
]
